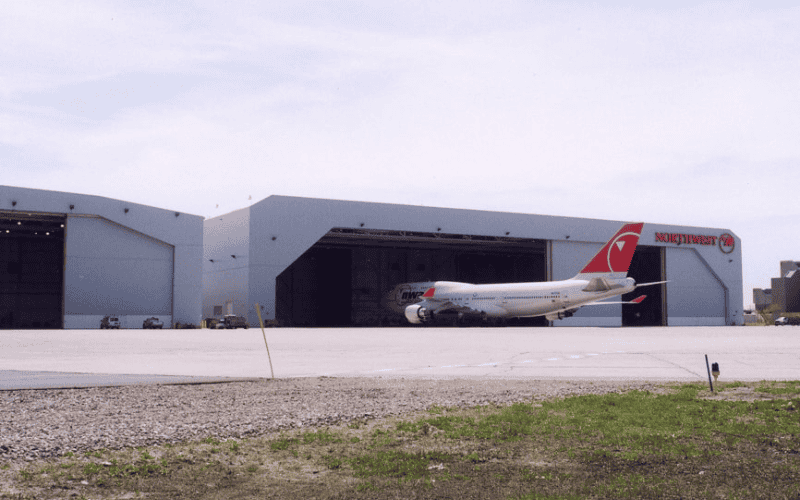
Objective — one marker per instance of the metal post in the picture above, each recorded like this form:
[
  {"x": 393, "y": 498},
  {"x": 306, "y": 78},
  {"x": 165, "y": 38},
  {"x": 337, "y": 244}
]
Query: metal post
[
  {"x": 710, "y": 384},
  {"x": 261, "y": 322}
]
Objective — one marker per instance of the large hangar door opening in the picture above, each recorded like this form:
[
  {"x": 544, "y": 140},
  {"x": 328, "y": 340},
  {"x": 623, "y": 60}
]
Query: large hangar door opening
[
  {"x": 316, "y": 289},
  {"x": 31, "y": 270},
  {"x": 346, "y": 277},
  {"x": 646, "y": 267},
  {"x": 498, "y": 267}
]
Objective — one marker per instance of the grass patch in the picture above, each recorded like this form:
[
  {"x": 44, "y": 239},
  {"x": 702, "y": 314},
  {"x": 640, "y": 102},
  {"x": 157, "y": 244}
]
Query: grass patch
[
  {"x": 282, "y": 444},
  {"x": 677, "y": 442},
  {"x": 779, "y": 388},
  {"x": 396, "y": 464},
  {"x": 320, "y": 437}
]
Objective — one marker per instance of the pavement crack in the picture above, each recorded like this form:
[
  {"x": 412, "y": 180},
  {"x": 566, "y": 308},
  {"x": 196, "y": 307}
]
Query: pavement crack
[{"x": 674, "y": 364}]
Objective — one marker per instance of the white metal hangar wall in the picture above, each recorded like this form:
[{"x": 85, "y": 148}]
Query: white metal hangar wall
[
  {"x": 331, "y": 259},
  {"x": 69, "y": 259},
  {"x": 226, "y": 272}
]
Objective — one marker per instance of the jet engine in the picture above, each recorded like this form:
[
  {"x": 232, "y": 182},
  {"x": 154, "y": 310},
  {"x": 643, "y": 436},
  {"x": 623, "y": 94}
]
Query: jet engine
[
  {"x": 416, "y": 314},
  {"x": 560, "y": 314}
]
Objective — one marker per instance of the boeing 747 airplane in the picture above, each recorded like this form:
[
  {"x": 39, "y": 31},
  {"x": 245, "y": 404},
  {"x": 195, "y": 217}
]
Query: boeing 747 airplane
[{"x": 604, "y": 277}]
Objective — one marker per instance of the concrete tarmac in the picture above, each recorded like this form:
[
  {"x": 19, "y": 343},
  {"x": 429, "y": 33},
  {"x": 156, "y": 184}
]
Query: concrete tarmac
[
  {"x": 26, "y": 379},
  {"x": 119, "y": 357}
]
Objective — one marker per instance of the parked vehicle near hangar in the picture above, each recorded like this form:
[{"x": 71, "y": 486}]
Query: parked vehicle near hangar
[
  {"x": 109, "y": 322},
  {"x": 231, "y": 321},
  {"x": 153, "y": 323},
  {"x": 783, "y": 320}
]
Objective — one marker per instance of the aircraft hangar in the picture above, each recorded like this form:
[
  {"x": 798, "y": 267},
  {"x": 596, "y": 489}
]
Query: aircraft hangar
[
  {"x": 314, "y": 262},
  {"x": 67, "y": 260}
]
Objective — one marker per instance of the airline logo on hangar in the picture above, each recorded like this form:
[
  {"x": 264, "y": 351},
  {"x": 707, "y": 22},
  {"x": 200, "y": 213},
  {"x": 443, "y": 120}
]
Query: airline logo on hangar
[{"x": 726, "y": 242}]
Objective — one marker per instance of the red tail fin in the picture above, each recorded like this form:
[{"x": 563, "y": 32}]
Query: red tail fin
[{"x": 614, "y": 258}]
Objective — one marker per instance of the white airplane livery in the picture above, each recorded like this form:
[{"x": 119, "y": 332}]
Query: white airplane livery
[{"x": 604, "y": 277}]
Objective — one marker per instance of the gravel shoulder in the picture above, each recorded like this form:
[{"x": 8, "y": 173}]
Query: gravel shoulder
[{"x": 37, "y": 424}]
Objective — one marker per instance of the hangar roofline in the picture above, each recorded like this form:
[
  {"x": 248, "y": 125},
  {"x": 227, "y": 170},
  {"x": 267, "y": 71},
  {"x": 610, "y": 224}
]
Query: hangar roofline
[
  {"x": 408, "y": 206},
  {"x": 577, "y": 219},
  {"x": 6, "y": 203}
]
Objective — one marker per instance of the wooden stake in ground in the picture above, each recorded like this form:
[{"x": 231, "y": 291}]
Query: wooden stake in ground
[{"x": 261, "y": 322}]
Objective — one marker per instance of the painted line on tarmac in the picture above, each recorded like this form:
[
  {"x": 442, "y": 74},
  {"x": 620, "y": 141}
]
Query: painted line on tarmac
[{"x": 493, "y": 363}]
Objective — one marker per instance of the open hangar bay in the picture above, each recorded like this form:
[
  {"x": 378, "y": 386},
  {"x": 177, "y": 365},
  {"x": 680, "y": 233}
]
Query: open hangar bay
[{"x": 654, "y": 353}]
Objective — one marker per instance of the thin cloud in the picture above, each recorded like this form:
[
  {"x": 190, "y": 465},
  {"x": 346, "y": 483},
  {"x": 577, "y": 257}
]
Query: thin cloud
[{"x": 679, "y": 113}]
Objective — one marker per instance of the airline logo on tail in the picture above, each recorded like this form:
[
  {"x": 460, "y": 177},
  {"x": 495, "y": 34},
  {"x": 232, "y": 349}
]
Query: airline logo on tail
[{"x": 614, "y": 259}]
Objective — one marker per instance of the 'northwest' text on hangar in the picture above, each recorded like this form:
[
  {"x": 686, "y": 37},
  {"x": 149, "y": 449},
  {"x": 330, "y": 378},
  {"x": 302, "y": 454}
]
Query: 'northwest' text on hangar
[{"x": 316, "y": 262}]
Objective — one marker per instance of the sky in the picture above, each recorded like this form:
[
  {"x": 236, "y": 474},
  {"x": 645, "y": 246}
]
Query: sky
[{"x": 684, "y": 112}]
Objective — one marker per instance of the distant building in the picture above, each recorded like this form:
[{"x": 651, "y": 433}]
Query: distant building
[
  {"x": 789, "y": 265},
  {"x": 762, "y": 298},
  {"x": 785, "y": 291}
]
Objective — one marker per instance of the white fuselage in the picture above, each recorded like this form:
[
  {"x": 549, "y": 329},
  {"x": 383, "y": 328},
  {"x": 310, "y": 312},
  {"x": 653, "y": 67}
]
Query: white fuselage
[
  {"x": 603, "y": 277},
  {"x": 506, "y": 300}
]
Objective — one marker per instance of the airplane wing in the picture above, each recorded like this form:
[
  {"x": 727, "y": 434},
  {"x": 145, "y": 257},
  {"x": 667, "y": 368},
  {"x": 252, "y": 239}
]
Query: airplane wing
[
  {"x": 437, "y": 307},
  {"x": 637, "y": 300},
  {"x": 653, "y": 283},
  {"x": 444, "y": 306},
  {"x": 449, "y": 307}
]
